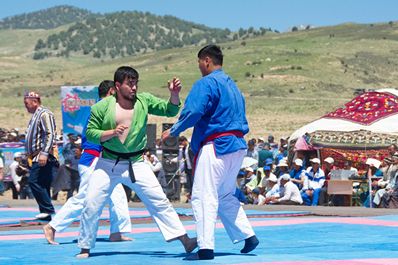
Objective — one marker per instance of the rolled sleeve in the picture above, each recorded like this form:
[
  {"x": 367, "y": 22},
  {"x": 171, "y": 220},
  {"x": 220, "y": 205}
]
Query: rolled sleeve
[{"x": 160, "y": 107}]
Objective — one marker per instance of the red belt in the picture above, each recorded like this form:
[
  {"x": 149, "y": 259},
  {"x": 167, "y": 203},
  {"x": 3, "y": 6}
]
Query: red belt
[
  {"x": 212, "y": 137},
  {"x": 222, "y": 134},
  {"x": 92, "y": 152}
]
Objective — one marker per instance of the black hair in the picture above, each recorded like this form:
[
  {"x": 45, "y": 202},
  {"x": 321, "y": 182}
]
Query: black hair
[
  {"x": 124, "y": 72},
  {"x": 182, "y": 139},
  {"x": 104, "y": 87},
  {"x": 212, "y": 51}
]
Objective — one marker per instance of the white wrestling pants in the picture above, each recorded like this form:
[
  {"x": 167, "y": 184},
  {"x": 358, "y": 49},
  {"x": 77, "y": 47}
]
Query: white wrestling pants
[
  {"x": 213, "y": 193},
  {"x": 118, "y": 207},
  {"x": 105, "y": 177}
]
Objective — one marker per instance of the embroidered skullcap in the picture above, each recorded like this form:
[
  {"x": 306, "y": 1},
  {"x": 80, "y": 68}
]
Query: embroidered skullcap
[{"x": 32, "y": 94}]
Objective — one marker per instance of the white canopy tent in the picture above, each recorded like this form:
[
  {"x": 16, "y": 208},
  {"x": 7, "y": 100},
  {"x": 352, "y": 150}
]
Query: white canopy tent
[
  {"x": 387, "y": 125},
  {"x": 367, "y": 124}
]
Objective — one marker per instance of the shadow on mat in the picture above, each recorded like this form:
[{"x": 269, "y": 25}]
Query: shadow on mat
[
  {"x": 216, "y": 254},
  {"x": 145, "y": 253},
  {"x": 97, "y": 240},
  {"x": 161, "y": 254}
]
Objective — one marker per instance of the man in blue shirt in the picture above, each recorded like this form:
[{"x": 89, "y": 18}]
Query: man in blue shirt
[
  {"x": 216, "y": 109},
  {"x": 297, "y": 173}
]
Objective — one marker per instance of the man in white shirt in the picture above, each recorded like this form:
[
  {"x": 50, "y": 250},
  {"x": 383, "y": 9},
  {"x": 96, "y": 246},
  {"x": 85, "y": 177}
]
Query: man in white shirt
[
  {"x": 313, "y": 183},
  {"x": 290, "y": 194},
  {"x": 387, "y": 183},
  {"x": 258, "y": 198},
  {"x": 157, "y": 168},
  {"x": 273, "y": 189},
  {"x": 15, "y": 178},
  {"x": 265, "y": 174}
]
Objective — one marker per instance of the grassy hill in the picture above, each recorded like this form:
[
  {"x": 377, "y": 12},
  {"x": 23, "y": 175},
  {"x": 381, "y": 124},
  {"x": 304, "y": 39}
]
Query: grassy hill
[
  {"x": 47, "y": 18},
  {"x": 121, "y": 34},
  {"x": 288, "y": 79}
]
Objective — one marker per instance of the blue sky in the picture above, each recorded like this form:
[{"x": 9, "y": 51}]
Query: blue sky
[{"x": 233, "y": 14}]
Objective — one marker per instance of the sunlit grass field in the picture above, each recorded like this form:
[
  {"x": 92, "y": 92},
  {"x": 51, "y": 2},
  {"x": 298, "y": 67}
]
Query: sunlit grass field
[{"x": 288, "y": 79}]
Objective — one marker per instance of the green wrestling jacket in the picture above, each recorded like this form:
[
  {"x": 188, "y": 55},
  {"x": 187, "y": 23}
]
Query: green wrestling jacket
[{"x": 103, "y": 117}]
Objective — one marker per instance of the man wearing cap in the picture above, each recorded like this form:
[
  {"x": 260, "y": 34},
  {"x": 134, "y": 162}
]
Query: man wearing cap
[
  {"x": 290, "y": 194},
  {"x": 255, "y": 181},
  {"x": 272, "y": 189},
  {"x": 251, "y": 149},
  {"x": 20, "y": 167},
  {"x": 274, "y": 148},
  {"x": 267, "y": 174},
  {"x": 247, "y": 176},
  {"x": 258, "y": 198},
  {"x": 264, "y": 154},
  {"x": 282, "y": 168},
  {"x": 40, "y": 138},
  {"x": 374, "y": 175},
  {"x": 327, "y": 168},
  {"x": 387, "y": 183},
  {"x": 297, "y": 173},
  {"x": 283, "y": 141},
  {"x": 313, "y": 183},
  {"x": 15, "y": 186}
]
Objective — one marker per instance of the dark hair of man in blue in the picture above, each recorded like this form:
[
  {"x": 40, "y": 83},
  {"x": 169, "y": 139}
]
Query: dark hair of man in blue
[{"x": 212, "y": 51}]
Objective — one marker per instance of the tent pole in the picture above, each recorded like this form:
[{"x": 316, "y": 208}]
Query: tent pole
[{"x": 370, "y": 191}]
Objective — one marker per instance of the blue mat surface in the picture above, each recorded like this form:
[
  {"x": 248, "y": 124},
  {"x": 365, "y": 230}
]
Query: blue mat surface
[
  {"x": 13, "y": 216},
  {"x": 314, "y": 241}
]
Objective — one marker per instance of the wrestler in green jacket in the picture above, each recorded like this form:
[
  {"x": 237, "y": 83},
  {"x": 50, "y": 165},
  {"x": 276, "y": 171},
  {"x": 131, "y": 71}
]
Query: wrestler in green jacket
[{"x": 103, "y": 118}]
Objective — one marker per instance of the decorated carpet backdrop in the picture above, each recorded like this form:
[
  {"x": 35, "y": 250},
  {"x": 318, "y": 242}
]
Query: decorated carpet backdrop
[
  {"x": 367, "y": 108},
  {"x": 354, "y": 146},
  {"x": 352, "y": 140},
  {"x": 357, "y": 157}
]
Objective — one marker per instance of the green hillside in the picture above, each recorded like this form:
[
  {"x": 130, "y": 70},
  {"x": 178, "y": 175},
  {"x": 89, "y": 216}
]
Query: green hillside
[
  {"x": 123, "y": 34},
  {"x": 288, "y": 79},
  {"x": 46, "y": 19}
]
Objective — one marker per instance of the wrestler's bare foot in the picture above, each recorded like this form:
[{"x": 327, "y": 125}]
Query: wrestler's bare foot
[
  {"x": 84, "y": 253},
  {"x": 49, "y": 233},
  {"x": 117, "y": 237},
  {"x": 189, "y": 243}
]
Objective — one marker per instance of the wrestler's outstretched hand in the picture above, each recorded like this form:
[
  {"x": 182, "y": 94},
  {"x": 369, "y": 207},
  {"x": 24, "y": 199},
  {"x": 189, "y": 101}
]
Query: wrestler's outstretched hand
[
  {"x": 174, "y": 85},
  {"x": 165, "y": 134}
]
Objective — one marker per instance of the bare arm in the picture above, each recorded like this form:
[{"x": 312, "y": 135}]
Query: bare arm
[{"x": 175, "y": 88}]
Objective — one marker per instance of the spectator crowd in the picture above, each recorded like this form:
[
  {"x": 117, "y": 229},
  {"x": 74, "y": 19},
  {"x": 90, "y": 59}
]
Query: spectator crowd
[{"x": 267, "y": 176}]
